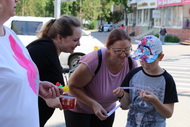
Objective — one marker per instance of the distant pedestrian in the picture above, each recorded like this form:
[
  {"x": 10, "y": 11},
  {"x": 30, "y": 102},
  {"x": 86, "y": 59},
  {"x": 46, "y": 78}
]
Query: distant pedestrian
[
  {"x": 122, "y": 27},
  {"x": 152, "y": 93},
  {"x": 102, "y": 27},
  {"x": 187, "y": 22},
  {"x": 163, "y": 33}
]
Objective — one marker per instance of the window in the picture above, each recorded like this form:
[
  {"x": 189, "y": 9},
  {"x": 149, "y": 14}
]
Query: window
[
  {"x": 157, "y": 21},
  {"x": 177, "y": 18},
  {"x": 139, "y": 17},
  {"x": 26, "y": 27},
  {"x": 130, "y": 18},
  {"x": 168, "y": 17},
  {"x": 146, "y": 17}
]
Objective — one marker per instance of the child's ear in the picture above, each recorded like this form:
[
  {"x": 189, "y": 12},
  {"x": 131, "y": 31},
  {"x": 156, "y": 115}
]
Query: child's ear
[{"x": 161, "y": 56}]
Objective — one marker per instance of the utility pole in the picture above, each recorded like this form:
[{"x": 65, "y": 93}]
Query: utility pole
[
  {"x": 125, "y": 19},
  {"x": 125, "y": 14},
  {"x": 57, "y": 9}
]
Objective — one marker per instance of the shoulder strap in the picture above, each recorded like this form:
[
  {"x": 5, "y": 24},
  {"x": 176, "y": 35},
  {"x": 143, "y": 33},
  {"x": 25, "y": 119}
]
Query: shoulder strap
[
  {"x": 99, "y": 61},
  {"x": 130, "y": 63}
]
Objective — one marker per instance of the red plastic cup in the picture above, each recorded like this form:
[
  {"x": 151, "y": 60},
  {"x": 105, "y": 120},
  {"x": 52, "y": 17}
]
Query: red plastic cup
[{"x": 68, "y": 102}]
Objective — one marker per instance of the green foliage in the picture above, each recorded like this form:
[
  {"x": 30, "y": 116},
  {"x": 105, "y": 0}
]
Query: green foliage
[
  {"x": 126, "y": 8},
  {"x": 74, "y": 8},
  {"x": 171, "y": 38},
  {"x": 157, "y": 35},
  {"x": 43, "y": 8},
  {"x": 49, "y": 8},
  {"x": 88, "y": 9},
  {"x": 105, "y": 10},
  {"x": 65, "y": 8},
  {"x": 91, "y": 25}
]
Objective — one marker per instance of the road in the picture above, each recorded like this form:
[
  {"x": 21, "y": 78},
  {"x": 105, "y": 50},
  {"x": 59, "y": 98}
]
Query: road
[
  {"x": 177, "y": 62},
  {"x": 101, "y": 36}
]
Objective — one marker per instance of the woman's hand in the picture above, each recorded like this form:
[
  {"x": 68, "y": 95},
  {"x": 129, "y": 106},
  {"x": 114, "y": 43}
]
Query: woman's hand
[
  {"x": 118, "y": 92},
  {"x": 49, "y": 90},
  {"x": 99, "y": 111},
  {"x": 123, "y": 97}
]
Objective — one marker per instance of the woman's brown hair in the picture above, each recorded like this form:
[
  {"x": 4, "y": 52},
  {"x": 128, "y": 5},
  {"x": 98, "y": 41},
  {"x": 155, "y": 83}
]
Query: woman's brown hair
[
  {"x": 116, "y": 35},
  {"x": 63, "y": 26}
]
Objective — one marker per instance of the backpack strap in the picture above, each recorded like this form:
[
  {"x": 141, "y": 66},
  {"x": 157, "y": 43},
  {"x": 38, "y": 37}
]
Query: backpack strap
[
  {"x": 130, "y": 63},
  {"x": 99, "y": 61}
]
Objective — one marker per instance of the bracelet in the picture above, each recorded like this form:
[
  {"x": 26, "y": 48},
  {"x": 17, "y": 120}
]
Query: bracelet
[{"x": 120, "y": 97}]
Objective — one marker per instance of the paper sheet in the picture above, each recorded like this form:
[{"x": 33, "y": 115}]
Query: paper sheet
[{"x": 113, "y": 110}]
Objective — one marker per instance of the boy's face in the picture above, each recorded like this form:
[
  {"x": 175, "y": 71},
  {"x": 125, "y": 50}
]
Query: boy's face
[{"x": 153, "y": 67}]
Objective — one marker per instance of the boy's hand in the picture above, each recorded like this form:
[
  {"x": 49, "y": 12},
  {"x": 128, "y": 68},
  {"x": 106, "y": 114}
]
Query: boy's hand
[{"x": 147, "y": 96}]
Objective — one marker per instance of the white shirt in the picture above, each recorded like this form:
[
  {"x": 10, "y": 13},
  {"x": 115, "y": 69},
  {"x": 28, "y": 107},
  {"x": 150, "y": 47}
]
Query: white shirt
[{"x": 19, "y": 83}]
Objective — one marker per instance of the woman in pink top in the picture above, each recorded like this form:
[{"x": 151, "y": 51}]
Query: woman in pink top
[{"x": 94, "y": 91}]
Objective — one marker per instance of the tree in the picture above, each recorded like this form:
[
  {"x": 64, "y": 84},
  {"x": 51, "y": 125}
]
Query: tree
[
  {"x": 89, "y": 9},
  {"x": 65, "y": 8},
  {"x": 74, "y": 8},
  {"x": 116, "y": 16},
  {"x": 126, "y": 9},
  {"x": 49, "y": 8},
  {"x": 106, "y": 10},
  {"x": 35, "y": 8}
]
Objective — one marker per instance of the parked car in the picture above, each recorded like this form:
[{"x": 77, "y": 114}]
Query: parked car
[
  {"x": 108, "y": 27},
  {"x": 27, "y": 27}
]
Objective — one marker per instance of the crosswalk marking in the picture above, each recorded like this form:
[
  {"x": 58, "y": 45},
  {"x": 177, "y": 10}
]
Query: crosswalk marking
[{"x": 179, "y": 68}]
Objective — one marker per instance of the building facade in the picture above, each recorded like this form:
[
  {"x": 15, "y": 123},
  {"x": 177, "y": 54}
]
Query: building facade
[{"x": 149, "y": 15}]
